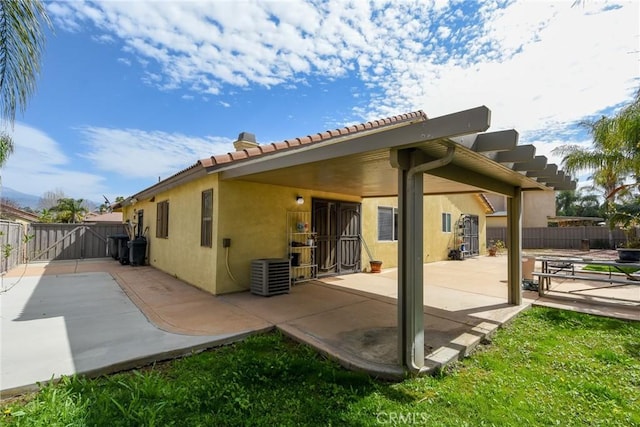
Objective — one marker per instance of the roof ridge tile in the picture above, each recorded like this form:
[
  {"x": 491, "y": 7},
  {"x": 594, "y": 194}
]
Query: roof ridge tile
[{"x": 221, "y": 159}]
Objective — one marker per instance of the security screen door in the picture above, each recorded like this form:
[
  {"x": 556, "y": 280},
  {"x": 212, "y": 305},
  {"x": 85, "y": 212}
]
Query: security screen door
[
  {"x": 337, "y": 225},
  {"x": 471, "y": 234}
]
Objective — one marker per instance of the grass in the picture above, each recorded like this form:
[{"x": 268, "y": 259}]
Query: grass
[
  {"x": 548, "y": 367},
  {"x": 609, "y": 269}
]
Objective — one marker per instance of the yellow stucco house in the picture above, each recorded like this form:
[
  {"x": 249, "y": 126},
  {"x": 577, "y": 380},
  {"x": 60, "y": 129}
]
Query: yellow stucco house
[{"x": 206, "y": 223}]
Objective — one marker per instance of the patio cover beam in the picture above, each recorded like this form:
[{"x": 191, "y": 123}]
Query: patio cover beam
[
  {"x": 504, "y": 140},
  {"x": 538, "y": 163},
  {"x": 459, "y": 174},
  {"x": 520, "y": 154},
  {"x": 549, "y": 171},
  {"x": 489, "y": 142}
]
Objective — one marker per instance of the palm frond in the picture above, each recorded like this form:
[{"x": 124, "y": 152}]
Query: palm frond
[{"x": 21, "y": 46}]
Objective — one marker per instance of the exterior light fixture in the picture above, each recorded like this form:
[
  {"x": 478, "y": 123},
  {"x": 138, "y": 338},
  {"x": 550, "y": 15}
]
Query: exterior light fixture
[{"x": 300, "y": 200}]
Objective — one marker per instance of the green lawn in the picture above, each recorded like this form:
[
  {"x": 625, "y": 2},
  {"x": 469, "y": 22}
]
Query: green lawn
[
  {"x": 548, "y": 367},
  {"x": 609, "y": 269}
]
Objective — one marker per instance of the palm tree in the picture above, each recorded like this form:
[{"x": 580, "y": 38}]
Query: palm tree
[
  {"x": 607, "y": 159},
  {"x": 629, "y": 122},
  {"x": 21, "y": 45},
  {"x": 70, "y": 210},
  {"x": 46, "y": 216}
]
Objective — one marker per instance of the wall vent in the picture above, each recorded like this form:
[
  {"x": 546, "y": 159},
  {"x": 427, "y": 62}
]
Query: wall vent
[{"x": 270, "y": 276}]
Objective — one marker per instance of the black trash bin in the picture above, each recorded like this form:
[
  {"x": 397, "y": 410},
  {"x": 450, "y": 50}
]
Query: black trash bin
[
  {"x": 123, "y": 250},
  {"x": 114, "y": 243},
  {"x": 137, "y": 251}
]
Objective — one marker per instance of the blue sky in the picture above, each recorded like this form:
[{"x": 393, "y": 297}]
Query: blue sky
[{"x": 135, "y": 90}]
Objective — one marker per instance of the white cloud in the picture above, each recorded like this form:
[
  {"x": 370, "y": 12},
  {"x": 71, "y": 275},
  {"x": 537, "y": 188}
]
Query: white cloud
[
  {"x": 39, "y": 159},
  {"x": 539, "y": 66},
  {"x": 140, "y": 154},
  {"x": 137, "y": 156},
  {"x": 104, "y": 38}
]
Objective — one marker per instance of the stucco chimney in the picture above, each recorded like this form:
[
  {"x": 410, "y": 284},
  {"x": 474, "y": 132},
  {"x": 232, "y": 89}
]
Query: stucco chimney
[{"x": 245, "y": 140}]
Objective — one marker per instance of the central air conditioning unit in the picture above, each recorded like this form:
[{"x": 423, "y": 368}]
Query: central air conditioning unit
[{"x": 270, "y": 276}]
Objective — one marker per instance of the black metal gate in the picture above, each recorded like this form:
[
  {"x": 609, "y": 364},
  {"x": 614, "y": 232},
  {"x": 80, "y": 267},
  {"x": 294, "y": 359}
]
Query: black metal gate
[{"x": 337, "y": 225}]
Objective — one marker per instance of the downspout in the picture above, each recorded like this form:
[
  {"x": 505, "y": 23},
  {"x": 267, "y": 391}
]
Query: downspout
[
  {"x": 421, "y": 169},
  {"x": 451, "y": 150}
]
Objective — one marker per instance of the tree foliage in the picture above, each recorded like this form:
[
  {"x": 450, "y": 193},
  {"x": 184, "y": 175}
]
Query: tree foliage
[
  {"x": 50, "y": 198},
  {"x": 6, "y": 147},
  {"x": 578, "y": 203},
  {"x": 70, "y": 210}
]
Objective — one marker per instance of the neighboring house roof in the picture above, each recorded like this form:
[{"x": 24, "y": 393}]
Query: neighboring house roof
[
  {"x": 484, "y": 201},
  {"x": 105, "y": 217},
  {"x": 14, "y": 213},
  {"x": 482, "y": 161},
  {"x": 574, "y": 219}
]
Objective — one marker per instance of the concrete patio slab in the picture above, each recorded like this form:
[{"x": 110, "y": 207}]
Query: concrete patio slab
[{"x": 63, "y": 324}]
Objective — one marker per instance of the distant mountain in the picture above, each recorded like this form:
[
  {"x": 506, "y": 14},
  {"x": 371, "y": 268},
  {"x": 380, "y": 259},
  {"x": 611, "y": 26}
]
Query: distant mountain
[{"x": 21, "y": 199}]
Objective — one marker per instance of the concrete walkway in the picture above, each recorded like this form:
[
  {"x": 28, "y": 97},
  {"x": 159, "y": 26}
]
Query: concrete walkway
[{"x": 97, "y": 316}]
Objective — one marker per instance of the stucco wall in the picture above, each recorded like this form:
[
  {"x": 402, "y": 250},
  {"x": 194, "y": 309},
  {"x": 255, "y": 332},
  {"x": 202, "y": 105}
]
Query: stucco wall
[
  {"x": 254, "y": 217},
  {"x": 496, "y": 221},
  {"x": 181, "y": 254},
  {"x": 537, "y": 207},
  {"x": 436, "y": 242}
]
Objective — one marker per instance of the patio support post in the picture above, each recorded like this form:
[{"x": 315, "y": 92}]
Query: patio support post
[
  {"x": 410, "y": 269},
  {"x": 412, "y": 165},
  {"x": 514, "y": 233}
]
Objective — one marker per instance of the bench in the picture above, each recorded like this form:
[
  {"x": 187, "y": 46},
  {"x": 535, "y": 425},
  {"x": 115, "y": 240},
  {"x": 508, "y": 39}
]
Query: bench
[
  {"x": 593, "y": 278},
  {"x": 564, "y": 269}
]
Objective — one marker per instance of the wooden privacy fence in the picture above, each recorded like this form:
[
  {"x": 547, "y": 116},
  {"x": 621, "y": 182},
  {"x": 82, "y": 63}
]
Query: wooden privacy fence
[
  {"x": 561, "y": 237},
  {"x": 11, "y": 244},
  {"x": 70, "y": 241}
]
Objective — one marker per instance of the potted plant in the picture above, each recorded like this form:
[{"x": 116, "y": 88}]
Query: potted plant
[
  {"x": 376, "y": 266},
  {"x": 495, "y": 246}
]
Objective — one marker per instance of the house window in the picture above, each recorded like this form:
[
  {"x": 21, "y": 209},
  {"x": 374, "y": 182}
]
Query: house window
[
  {"x": 206, "y": 218},
  {"x": 446, "y": 222},
  {"x": 387, "y": 224},
  {"x": 162, "y": 220}
]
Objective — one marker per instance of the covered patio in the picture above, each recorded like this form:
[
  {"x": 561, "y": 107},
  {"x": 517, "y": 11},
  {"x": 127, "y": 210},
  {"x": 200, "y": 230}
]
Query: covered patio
[{"x": 451, "y": 154}]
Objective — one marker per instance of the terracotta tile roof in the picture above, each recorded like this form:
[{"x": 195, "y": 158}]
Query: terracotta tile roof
[
  {"x": 298, "y": 142},
  {"x": 288, "y": 144}
]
